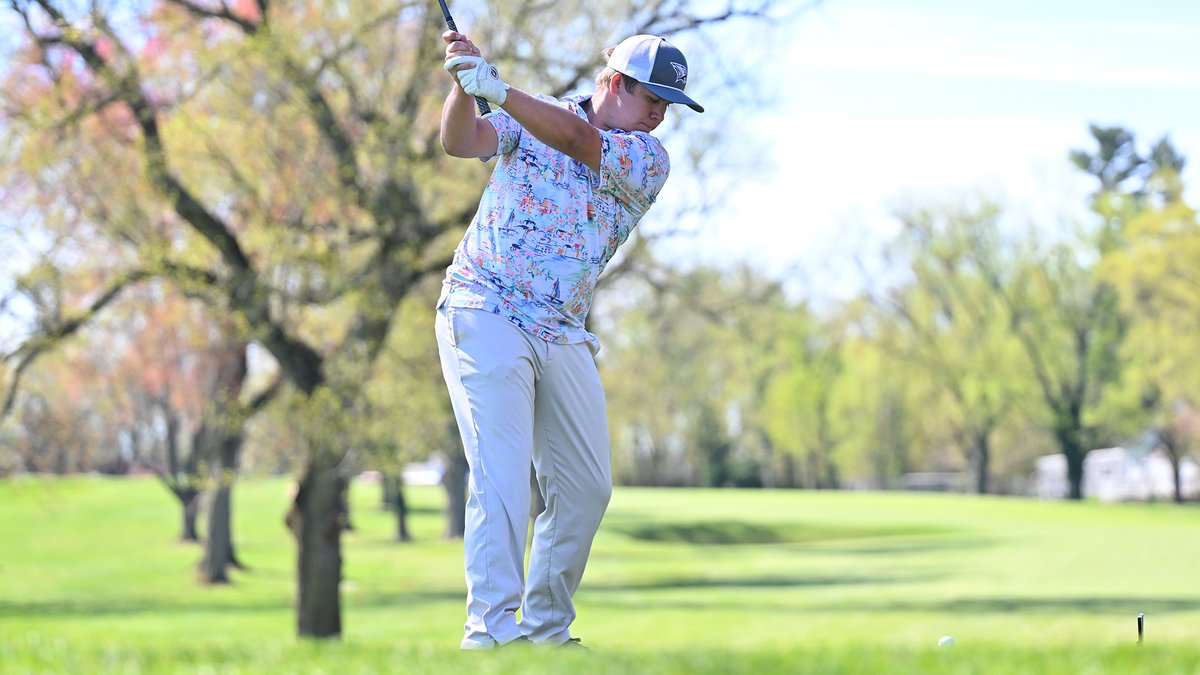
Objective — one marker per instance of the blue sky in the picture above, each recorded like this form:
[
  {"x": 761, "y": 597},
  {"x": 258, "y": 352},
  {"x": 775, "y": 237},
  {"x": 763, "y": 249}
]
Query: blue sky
[
  {"x": 882, "y": 102},
  {"x": 878, "y": 102}
]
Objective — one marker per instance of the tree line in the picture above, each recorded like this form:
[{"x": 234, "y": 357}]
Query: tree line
[{"x": 997, "y": 338}]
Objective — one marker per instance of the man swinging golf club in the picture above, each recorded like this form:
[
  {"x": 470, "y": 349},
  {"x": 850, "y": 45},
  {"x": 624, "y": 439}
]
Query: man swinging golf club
[{"x": 572, "y": 179}]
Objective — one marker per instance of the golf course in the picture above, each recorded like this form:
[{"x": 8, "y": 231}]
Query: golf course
[{"x": 93, "y": 579}]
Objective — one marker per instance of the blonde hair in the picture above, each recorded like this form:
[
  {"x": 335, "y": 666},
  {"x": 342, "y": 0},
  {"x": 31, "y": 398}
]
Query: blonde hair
[{"x": 606, "y": 74}]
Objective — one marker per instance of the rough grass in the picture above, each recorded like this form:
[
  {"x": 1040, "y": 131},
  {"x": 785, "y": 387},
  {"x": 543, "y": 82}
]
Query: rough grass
[{"x": 92, "y": 579}]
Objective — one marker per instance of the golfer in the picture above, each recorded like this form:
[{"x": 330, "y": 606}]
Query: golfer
[{"x": 572, "y": 179}]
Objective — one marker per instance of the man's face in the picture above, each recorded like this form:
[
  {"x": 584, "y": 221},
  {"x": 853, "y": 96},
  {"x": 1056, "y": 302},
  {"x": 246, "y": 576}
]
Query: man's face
[{"x": 640, "y": 109}]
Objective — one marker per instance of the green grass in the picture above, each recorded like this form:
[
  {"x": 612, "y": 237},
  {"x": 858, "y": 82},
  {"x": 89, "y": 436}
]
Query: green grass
[{"x": 93, "y": 580}]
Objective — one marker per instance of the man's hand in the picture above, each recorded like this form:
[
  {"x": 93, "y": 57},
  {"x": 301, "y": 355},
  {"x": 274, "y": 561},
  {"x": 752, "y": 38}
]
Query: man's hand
[{"x": 478, "y": 78}]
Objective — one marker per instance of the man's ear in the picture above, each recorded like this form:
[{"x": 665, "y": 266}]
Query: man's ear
[{"x": 616, "y": 83}]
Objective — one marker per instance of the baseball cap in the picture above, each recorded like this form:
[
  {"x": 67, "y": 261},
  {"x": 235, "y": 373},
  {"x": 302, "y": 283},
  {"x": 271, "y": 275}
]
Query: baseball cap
[{"x": 657, "y": 64}]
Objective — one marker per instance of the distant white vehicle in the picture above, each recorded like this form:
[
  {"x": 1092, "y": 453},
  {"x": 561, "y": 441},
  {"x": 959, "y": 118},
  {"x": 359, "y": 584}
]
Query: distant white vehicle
[{"x": 429, "y": 472}]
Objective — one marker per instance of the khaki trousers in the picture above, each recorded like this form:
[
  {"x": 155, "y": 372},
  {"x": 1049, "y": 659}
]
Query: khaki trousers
[{"x": 519, "y": 399}]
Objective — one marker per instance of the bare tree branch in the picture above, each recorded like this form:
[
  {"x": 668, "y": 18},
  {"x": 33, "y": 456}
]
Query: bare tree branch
[
  {"x": 28, "y": 352},
  {"x": 224, "y": 14}
]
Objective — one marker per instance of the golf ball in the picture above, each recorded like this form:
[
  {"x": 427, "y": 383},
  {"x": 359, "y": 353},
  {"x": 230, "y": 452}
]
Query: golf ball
[{"x": 946, "y": 641}]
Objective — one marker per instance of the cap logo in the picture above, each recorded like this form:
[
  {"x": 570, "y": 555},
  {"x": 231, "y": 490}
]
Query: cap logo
[{"x": 680, "y": 72}]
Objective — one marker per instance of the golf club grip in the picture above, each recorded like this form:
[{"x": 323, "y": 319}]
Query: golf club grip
[{"x": 480, "y": 102}]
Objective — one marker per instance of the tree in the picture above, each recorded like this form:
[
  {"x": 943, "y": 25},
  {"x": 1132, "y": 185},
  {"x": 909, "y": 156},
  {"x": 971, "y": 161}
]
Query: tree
[
  {"x": 1069, "y": 329},
  {"x": 206, "y": 146},
  {"x": 1154, "y": 275},
  {"x": 873, "y": 409},
  {"x": 218, "y": 440},
  {"x": 667, "y": 377},
  {"x": 164, "y": 351},
  {"x": 798, "y": 411},
  {"x": 953, "y": 328},
  {"x": 163, "y": 396},
  {"x": 689, "y": 361},
  {"x": 410, "y": 416}
]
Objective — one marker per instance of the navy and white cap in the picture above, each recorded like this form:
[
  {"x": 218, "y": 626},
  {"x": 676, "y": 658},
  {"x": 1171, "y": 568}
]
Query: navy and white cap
[{"x": 657, "y": 64}]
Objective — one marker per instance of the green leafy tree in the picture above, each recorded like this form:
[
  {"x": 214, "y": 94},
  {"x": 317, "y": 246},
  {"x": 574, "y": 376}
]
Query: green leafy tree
[
  {"x": 1069, "y": 329},
  {"x": 668, "y": 377},
  {"x": 953, "y": 329},
  {"x": 1155, "y": 276},
  {"x": 799, "y": 405},
  {"x": 410, "y": 418},
  {"x": 874, "y": 411},
  {"x": 690, "y": 362}
]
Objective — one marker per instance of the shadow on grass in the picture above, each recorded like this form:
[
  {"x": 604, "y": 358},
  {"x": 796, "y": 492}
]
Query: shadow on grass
[
  {"x": 768, "y": 593},
  {"x": 129, "y": 607},
  {"x": 417, "y": 510},
  {"x": 597, "y": 595},
  {"x": 762, "y": 582},
  {"x": 733, "y": 532},
  {"x": 1021, "y": 605},
  {"x": 95, "y": 607},
  {"x": 918, "y": 545}
]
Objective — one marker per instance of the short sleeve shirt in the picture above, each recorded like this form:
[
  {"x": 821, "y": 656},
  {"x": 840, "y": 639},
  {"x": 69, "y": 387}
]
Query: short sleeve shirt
[{"x": 547, "y": 226}]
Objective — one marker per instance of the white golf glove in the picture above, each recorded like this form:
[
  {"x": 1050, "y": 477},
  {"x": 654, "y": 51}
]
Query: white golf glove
[{"x": 483, "y": 80}]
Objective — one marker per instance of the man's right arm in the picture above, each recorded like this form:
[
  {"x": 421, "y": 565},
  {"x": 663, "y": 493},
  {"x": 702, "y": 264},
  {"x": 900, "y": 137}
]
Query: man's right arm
[{"x": 463, "y": 134}]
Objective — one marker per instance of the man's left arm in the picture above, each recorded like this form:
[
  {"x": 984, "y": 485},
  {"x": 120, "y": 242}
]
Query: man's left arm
[
  {"x": 636, "y": 165},
  {"x": 633, "y": 171},
  {"x": 555, "y": 126}
]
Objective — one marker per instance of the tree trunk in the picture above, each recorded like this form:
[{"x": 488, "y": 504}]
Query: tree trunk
[
  {"x": 389, "y": 485},
  {"x": 812, "y": 470},
  {"x": 316, "y": 521},
  {"x": 1177, "y": 480},
  {"x": 789, "y": 471},
  {"x": 983, "y": 459},
  {"x": 401, "y": 507},
  {"x": 1074, "y": 456},
  {"x": 769, "y": 470},
  {"x": 347, "y": 524},
  {"x": 393, "y": 500},
  {"x": 832, "y": 479},
  {"x": 826, "y": 441},
  {"x": 218, "y": 548},
  {"x": 190, "y": 499},
  {"x": 1170, "y": 445},
  {"x": 219, "y": 553},
  {"x": 455, "y": 483},
  {"x": 220, "y": 439}
]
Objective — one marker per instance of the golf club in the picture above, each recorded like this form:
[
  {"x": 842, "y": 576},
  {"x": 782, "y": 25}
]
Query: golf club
[{"x": 480, "y": 103}]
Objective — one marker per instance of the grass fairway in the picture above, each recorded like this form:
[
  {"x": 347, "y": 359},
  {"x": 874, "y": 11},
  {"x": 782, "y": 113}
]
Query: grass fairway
[{"x": 681, "y": 581}]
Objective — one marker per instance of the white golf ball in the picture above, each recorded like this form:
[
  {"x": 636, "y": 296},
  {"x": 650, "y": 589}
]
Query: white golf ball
[{"x": 946, "y": 641}]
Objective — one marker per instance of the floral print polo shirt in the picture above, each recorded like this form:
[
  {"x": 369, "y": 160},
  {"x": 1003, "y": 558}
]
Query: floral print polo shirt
[{"x": 547, "y": 226}]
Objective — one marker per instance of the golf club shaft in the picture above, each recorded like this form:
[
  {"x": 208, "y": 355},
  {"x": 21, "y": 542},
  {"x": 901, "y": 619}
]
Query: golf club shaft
[{"x": 480, "y": 102}]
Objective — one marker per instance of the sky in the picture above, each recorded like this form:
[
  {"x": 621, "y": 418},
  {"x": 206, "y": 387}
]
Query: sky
[
  {"x": 879, "y": 103},
  {"x": 875, "y": 103}
]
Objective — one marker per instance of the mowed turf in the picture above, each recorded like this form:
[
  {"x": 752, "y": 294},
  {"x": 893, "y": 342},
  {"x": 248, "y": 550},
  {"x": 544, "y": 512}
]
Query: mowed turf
[{"x": 93, "y": 579}]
